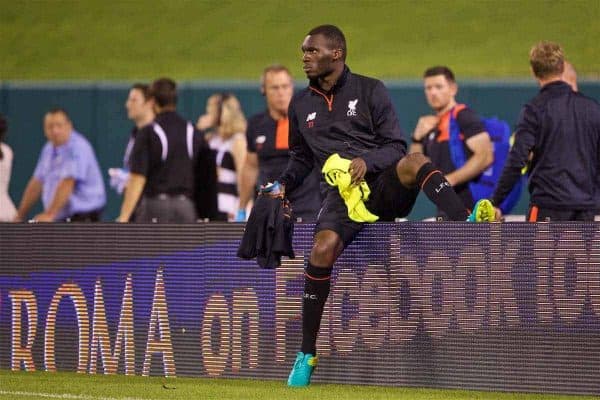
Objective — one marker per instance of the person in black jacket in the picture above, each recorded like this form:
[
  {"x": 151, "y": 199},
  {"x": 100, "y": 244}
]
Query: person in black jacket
[
  {"x": 559, "y": 130},
  {"x": 172, "y": 168},
  {"x": 352, "y": 115}
]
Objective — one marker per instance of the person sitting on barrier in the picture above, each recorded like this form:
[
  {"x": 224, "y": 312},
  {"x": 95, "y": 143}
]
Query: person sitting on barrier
[
  {"x": 167, "y": 158},
  {"x": 353, "y": 116},
  {"x": 7, "y": 207},
  {"x": 432, "y": 135},
  {"x": 67, "y": 176},
  {"x": 561, "y": 128}
]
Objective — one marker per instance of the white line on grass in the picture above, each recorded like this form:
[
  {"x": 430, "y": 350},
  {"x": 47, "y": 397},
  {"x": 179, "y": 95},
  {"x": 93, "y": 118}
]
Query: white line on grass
[{"x": 65, "y": 396}]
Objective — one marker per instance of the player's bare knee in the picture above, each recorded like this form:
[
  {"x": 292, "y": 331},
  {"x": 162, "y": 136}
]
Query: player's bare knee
[
  {"x": 326, "y": 249},
  {"x": 322, "y": 254},
  {"x": 408, "y": 166}
]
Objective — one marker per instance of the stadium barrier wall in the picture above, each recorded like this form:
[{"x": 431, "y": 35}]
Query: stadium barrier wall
[
  {"x": 508, "y": 307},
  {"x": 98, "y": 112}
]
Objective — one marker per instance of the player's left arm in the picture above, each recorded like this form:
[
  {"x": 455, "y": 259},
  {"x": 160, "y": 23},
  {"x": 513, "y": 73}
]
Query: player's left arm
[
  {"x": 483, "y": 155},
  {"x": 479, "y": 144}
]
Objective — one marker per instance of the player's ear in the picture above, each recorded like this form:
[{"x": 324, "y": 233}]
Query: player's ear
[
  {"x": 337, "y": 54},
  {"x": 453, "y": 88}
]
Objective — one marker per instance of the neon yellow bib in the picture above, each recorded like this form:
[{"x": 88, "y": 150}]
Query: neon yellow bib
[{"x": 336, "y": 173}]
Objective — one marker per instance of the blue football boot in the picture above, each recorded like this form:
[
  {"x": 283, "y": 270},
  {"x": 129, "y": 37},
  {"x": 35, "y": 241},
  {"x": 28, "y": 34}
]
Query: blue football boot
[{"x": 302, "y": 370}]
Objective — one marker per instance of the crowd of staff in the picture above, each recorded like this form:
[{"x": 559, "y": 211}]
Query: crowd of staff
[{"x": 176, "y": 171}]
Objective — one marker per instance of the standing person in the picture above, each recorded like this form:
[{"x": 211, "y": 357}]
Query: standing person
[
  {"x": 229, "y": 143},
  {"x": 353, "y": 116},
  {"x": 7, "y": 207},
  {"x": 67, "y": 176},
  {"x": 164, "y": 165},
  {"x": 561, "y": 129},
  {"x": 432, "y": 134},
  {"x": 268, "y": 149},
  {"x": 140, "y": 110}
]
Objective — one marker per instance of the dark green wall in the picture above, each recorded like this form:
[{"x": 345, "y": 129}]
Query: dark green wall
[{"x": 97, "y": 111}]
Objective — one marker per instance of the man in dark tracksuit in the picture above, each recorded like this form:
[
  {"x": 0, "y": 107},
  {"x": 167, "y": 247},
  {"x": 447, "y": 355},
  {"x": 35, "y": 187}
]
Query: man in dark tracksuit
[
  {"x": 560, "y": 128},
  {"x": 352, "y": 115}
]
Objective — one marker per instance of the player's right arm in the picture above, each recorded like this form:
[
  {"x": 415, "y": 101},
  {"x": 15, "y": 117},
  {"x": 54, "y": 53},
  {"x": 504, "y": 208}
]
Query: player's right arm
[
  {"x": 133, "y": 192},
  {"x": 301, "y": 157},
  {"x": 139, "y": 164},
  {"x": 426, "y": 124},
  {"x": 518, "y": 157}
]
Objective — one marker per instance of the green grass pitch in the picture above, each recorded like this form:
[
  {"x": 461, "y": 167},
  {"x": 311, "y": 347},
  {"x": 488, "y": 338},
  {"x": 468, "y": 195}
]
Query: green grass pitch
[
  {"x": 203, "y": 40},
  {"x": 72, "y": 386}
]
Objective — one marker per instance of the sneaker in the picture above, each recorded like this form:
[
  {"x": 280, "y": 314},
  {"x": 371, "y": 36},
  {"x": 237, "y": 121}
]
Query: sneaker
[
  {"x": 302, "y": 370},
  {"x": 483, "y": 211}
]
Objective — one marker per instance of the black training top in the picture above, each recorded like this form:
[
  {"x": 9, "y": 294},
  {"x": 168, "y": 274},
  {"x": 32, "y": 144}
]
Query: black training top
[
  {"x": 261, "y": 138},
  {"x": 436, "y": 146},
  {"x": 273, "y": 156},
  {"x": 562, "y": 129},
  {"x": 355, "y": 118},
  {"x": 165, "y": 152}
]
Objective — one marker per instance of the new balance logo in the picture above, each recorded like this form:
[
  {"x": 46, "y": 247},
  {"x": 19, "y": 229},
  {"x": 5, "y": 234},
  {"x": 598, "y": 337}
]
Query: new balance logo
[
  {"x": 310, "y": 119},
  {"x": 260, "y": 142},
  {"x": 442, "y": 186},
  {"x": 352, "y": 108}
]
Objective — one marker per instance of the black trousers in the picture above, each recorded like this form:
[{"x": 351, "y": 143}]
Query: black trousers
[{"x": 166, "y": 209}]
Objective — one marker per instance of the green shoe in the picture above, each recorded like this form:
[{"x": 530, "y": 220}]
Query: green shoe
[
  {"x": 483, "y": 211},
  {"x": 302, "y": 370}
]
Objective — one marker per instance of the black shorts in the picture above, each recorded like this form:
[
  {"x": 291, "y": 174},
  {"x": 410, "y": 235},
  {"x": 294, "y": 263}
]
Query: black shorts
[{"x": 389, "y": 199}]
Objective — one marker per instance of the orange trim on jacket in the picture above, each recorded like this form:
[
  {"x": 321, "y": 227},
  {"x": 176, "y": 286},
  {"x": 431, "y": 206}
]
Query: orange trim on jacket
[
  {"x": 329, "y": 101},
  {"x": 444, "y": 124}
]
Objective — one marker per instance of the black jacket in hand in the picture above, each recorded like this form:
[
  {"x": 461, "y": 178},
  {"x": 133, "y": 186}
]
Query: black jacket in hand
[{"x": 269, "y": 232}]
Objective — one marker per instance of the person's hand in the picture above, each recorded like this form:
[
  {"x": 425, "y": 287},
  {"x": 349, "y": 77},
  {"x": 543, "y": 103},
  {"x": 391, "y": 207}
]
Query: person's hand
[
  {"x": 498, "y": 213},
  {"x": 118, "y": 179},
  {"x": 204, "y": 122},
  {"x": 240, "y": 216},
  {"x": 122, "y": 219},
  {"x": 274, "y": 189},
  {"x": 44, "y": 217},
  {"x": 426, "y": 124},
  {"x": 357, "y": 169}
]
